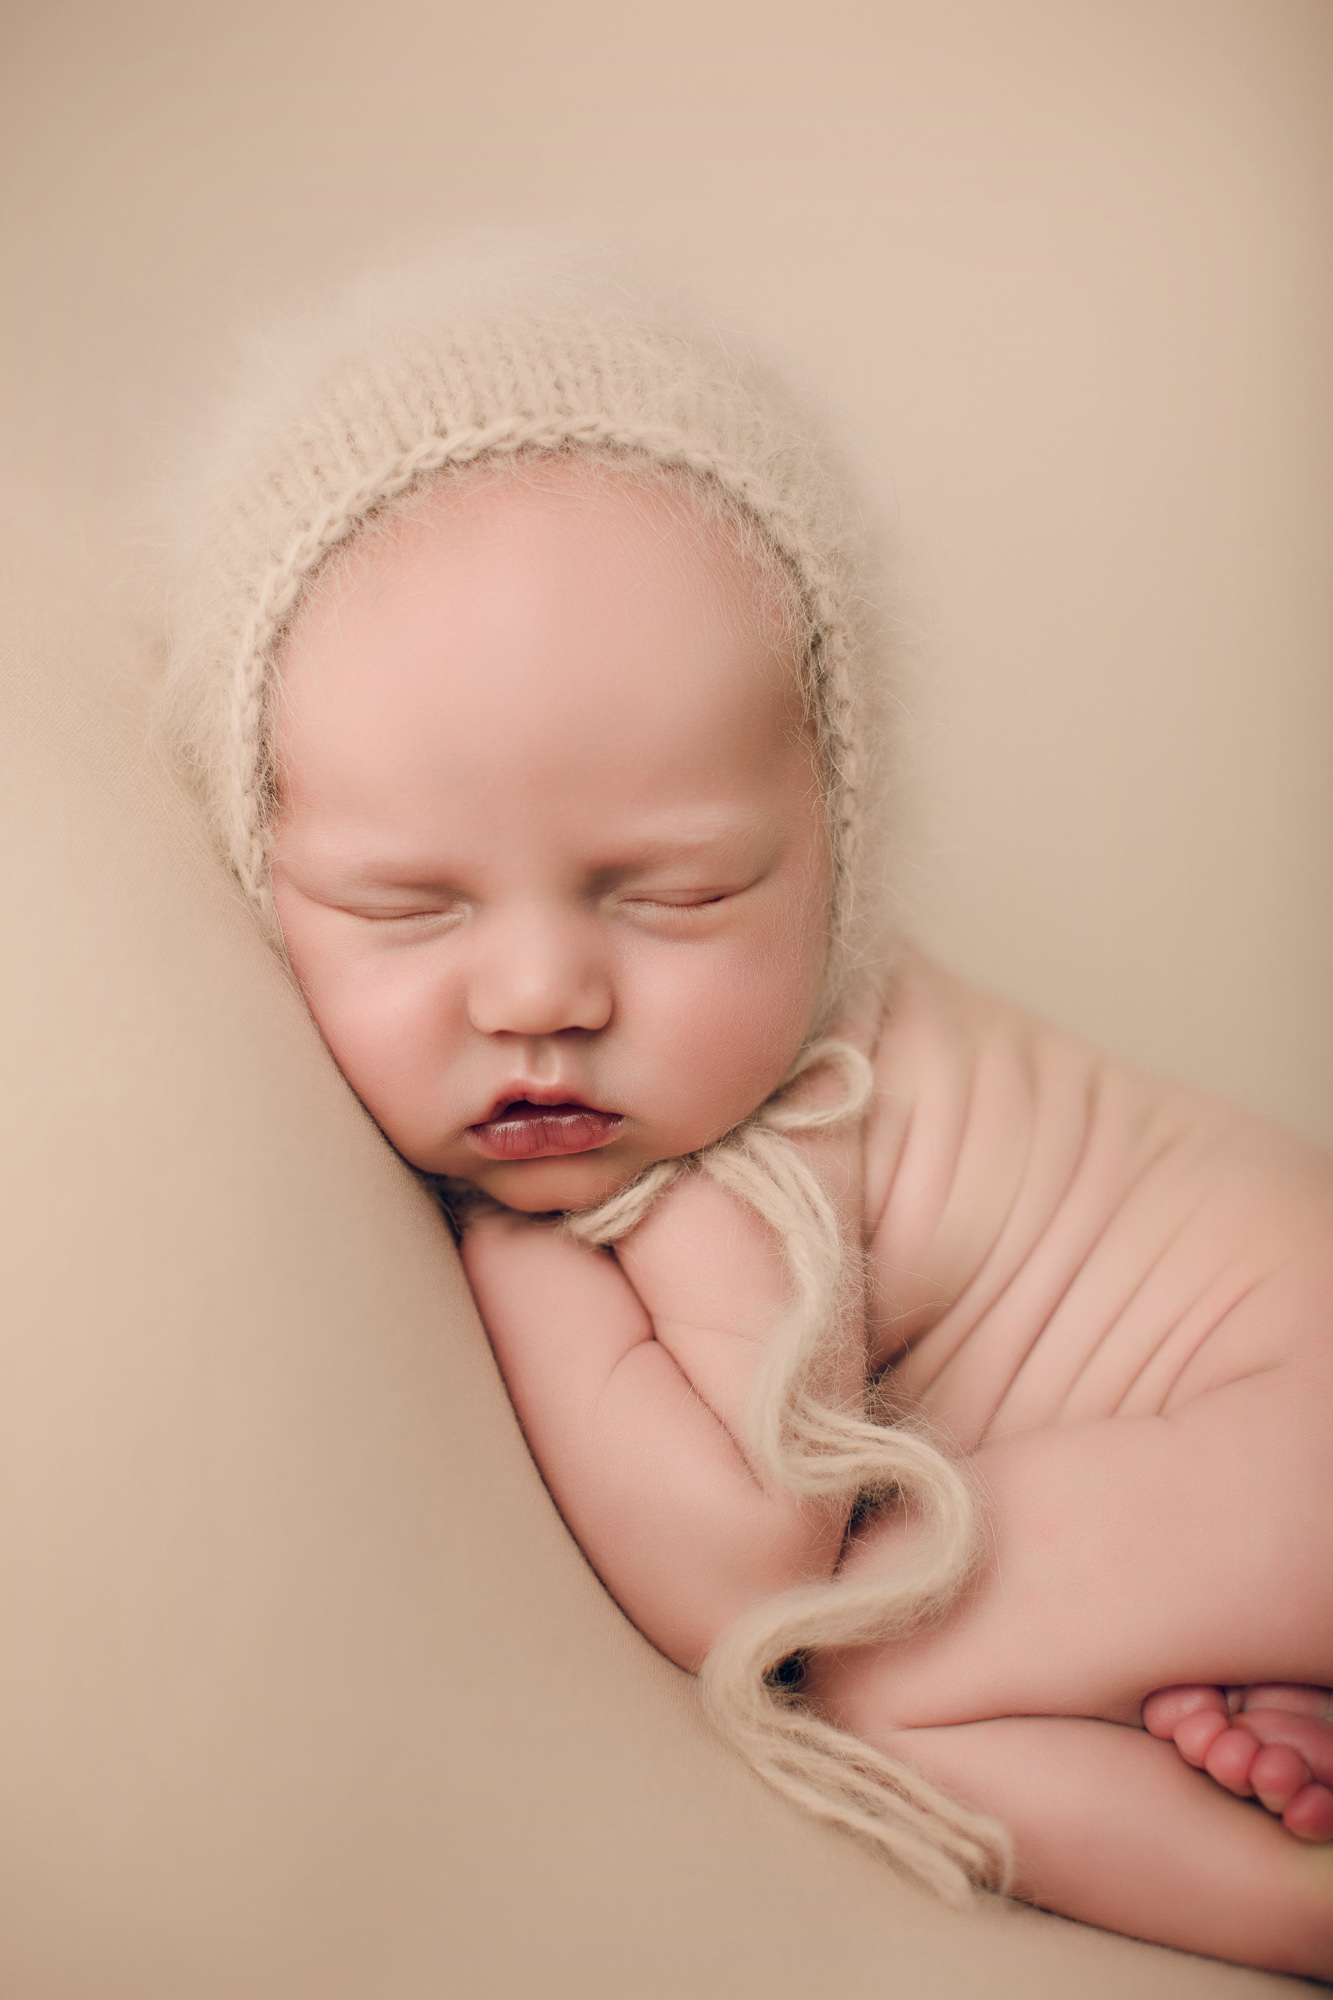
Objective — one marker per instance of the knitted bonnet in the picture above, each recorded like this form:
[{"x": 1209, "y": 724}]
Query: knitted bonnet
[{"x": 477, "y": 355}]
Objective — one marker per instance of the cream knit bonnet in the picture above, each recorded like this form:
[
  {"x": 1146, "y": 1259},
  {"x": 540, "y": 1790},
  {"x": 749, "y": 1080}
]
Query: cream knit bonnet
[{"x": 476, "y": 355}]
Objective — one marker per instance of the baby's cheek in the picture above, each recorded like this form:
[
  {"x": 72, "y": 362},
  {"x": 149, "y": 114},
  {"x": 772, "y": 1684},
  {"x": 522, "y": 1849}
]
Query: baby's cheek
[
  {"x": 725, "y": 1039},
  {"x": 391, "y": 1043}
]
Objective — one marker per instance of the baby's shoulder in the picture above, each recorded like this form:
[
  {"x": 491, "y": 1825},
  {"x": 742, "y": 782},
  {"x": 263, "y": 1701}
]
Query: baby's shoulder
[
  {"x": 962, "y": 1081},
  {"x": 968, "y": 1086}
]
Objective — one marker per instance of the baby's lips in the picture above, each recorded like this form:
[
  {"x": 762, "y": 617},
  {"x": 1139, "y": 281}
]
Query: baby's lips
[{"x": 543, "y": 1131}]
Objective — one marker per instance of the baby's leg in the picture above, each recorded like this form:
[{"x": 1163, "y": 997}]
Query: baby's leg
[
  {"x": 1114, "y": 1829},
  {"x": 1126, "y": 1555},
  {"x": 1270, "y": 1743}
]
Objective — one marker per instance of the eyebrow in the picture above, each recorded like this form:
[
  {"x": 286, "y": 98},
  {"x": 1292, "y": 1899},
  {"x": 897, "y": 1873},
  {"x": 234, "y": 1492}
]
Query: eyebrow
[{"x": 418, "y": 873}]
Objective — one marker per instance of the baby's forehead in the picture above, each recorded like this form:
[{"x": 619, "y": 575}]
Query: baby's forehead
[
  {"x": 543, "y": 621},
  {"x": 617, "y": 529}
]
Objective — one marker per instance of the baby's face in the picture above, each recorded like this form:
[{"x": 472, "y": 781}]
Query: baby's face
[{"x": 550, "y": 858}]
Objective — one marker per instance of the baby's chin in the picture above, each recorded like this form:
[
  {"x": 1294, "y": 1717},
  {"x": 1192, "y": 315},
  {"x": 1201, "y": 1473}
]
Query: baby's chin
[{"x": 573, "y": 1183}]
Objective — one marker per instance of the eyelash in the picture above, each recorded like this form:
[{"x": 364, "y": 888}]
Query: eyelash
[
  {"x": 408, "y": 916},
  {"x": 684, "y": 903}
]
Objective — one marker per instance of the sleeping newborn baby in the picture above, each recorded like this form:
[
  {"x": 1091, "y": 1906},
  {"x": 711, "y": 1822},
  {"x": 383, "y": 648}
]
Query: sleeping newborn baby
[{"x": 953, "y": 1400}]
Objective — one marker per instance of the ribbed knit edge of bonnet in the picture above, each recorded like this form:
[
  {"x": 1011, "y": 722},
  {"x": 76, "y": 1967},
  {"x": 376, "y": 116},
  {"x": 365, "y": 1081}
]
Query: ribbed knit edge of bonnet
[{"x": 479, "y": 351}]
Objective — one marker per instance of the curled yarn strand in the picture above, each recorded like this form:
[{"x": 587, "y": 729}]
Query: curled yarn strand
[{"x": 836, "y": 1456}]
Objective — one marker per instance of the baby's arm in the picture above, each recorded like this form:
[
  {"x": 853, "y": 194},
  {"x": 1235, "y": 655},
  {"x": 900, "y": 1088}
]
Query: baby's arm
[{"x": 631, "y": 1374}]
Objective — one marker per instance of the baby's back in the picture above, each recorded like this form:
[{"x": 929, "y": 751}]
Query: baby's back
[{"x": 1054, "y": 1237}]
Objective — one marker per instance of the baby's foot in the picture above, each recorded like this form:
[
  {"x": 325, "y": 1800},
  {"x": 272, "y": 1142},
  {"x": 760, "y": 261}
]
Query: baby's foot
[{"x": 1270, "y": 1743}]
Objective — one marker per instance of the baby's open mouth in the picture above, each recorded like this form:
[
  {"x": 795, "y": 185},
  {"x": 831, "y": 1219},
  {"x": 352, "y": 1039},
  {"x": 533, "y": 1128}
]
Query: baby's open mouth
[{"x": 525, "y": 1131}]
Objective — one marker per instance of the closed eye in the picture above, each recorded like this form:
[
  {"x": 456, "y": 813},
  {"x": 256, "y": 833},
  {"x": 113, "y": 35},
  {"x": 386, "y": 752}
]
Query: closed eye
[
  {"x": 679, "y": 908},
  {"x": 406, "y": 919},
  {"x": 686, "y": 900}
]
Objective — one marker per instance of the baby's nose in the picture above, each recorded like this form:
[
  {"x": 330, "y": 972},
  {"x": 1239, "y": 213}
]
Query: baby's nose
[{"x": 539, "y": 974}]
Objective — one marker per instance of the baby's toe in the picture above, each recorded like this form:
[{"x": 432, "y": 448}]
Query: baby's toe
[
  {"x": 1196, "y": 1734},
  {"x": 1310, "y": 1814},
  {"x": 1229, "y": 1759},
  {"x": 1277, "y": 1775},
  {"x": 1279, "y": 1748},
  {"x": 1289, "y": 1699},
  {"x": 1311, "y": 1739},
  {"x": 1164, "y": 1711}
]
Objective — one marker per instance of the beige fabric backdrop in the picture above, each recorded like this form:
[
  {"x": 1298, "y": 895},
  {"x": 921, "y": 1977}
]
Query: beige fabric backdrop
[
  {"x": 1069, "y": 269},
  {"x": 303, "y": 1688}
]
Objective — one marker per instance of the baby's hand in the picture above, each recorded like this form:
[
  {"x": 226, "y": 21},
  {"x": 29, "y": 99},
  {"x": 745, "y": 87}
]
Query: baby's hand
[{"x": 1270, "y": 1743}]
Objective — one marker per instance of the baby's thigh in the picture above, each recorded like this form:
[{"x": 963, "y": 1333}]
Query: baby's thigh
[
  {"x": 1126, "y": 1554},
  {"x": 1112, "y": 1828}
]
